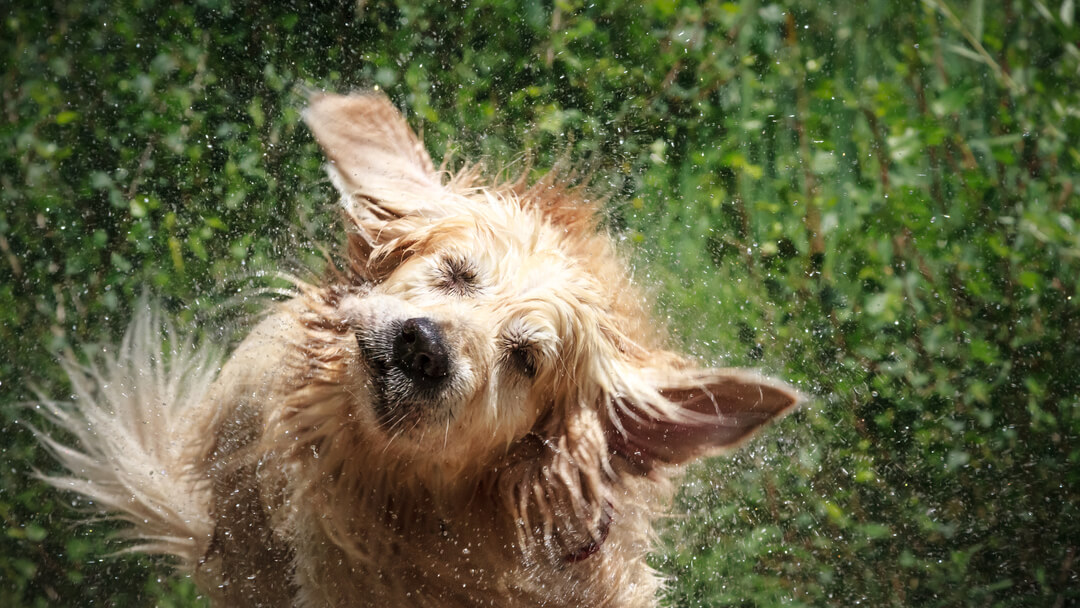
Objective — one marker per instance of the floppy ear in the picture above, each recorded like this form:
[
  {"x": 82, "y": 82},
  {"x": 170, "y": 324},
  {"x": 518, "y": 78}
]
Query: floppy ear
[
  {"x": 387, "y": 182},
  {"x": 372, "y": 151},
  {"x": 699, "y": 413}
]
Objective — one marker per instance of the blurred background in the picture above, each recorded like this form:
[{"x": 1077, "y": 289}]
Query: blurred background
[{"x": 875, "y": 200}]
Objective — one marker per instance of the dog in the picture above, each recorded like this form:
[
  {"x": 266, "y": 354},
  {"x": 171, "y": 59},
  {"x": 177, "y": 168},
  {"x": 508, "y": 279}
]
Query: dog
[{"x": 473, "y": 409}]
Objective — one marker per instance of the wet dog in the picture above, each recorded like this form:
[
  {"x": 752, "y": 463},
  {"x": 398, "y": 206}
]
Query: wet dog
[{"x": 475, "y": 409}]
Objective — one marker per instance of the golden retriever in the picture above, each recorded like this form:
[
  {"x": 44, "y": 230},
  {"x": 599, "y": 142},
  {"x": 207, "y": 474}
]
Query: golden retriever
[{"x": 473, "y": 410}]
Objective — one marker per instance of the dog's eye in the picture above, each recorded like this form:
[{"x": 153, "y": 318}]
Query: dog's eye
[
  {"x": 520, "y": 357},
  {"x": 457, "y": 276}
]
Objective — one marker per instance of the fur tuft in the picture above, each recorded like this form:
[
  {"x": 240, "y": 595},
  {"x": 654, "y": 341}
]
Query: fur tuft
[{"x": 130, "y": 415}]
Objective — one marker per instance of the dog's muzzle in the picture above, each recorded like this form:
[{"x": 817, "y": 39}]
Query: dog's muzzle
[
  {"x": 420, "y": 353},
  {"x": 411, "y": 367}
]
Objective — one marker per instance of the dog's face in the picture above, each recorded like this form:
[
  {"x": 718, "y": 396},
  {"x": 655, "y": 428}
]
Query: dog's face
[
  {"x": 481, "y": 316},
  {"x": 468, "y": 335}
]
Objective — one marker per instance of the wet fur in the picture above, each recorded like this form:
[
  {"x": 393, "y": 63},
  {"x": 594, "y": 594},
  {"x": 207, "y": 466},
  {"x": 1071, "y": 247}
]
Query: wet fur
[{"x": 311, "y": 472}]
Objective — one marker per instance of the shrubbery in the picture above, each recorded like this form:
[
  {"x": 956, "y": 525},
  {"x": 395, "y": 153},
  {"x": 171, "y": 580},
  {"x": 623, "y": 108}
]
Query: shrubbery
[{"x": 875, "y": 200}]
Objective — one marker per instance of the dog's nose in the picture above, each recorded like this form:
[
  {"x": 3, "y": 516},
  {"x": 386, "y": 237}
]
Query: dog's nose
[{"x": 420, "y": 352}]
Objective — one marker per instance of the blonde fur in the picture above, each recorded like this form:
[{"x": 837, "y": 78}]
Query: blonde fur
[
  {"x": 132, "y": 409},
  {"x": 476, "y": 410}
]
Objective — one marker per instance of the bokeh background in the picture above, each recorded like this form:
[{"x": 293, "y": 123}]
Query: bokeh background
[{"x": 876, "y": 200}]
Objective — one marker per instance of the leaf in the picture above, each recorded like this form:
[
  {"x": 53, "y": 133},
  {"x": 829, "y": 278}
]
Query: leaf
[
  {"x": 1028, "y": 279},
  {"x": 67, "y": 117},
  {"x": 975, "y": 19}
]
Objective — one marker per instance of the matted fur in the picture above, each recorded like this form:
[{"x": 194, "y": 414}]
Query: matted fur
[{"x": 477, "y": 410}]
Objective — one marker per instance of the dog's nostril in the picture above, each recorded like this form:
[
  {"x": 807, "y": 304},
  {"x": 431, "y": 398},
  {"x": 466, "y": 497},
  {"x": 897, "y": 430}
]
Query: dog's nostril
[{"x": 420, "y": 351}]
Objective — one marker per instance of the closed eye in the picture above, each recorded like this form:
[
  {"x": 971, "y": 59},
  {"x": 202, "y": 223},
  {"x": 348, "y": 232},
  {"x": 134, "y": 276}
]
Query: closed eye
[
  {"x": 458, "y": 276},
  {"x": 521, "y": 357}
]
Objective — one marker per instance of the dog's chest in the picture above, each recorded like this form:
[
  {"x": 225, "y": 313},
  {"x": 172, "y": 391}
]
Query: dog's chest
[{"x": 453, "y": 563}]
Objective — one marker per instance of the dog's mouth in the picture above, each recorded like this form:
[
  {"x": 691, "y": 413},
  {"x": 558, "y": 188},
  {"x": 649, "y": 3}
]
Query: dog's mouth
[{"x": 410, "y": 366}]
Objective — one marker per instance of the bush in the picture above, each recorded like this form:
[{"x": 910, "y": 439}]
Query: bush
[{"x": 877, "y": 201}]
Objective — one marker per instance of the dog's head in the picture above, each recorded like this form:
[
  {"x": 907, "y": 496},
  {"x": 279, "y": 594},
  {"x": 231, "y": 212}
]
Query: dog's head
[{"x": 477, "y": 319}]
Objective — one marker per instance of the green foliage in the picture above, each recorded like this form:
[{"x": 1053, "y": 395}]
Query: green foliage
[{"x": 875, "y": 200}]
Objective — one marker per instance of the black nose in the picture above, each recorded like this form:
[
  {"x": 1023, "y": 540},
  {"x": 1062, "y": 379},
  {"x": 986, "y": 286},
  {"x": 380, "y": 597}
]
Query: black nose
[{"x": 420, "y": 352}]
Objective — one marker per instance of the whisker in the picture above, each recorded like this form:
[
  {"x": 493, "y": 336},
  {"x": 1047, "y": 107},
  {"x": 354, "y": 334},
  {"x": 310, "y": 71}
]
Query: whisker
[
  {"x": 416, "y": 423},
  {"x": 397, "y": 434}
]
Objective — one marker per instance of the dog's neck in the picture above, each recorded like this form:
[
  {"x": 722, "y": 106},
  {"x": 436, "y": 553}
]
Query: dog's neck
[{"x": 514, "y": 497}]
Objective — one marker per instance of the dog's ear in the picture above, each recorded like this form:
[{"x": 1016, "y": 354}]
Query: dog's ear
[
  {"x": 690, "y": 414},
  {"x": 373, "y": 153},
  {"x": 386, "y": 179}
]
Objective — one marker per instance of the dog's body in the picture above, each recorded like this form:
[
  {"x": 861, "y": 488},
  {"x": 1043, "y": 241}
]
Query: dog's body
[{"x": 476, "y": 411}]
